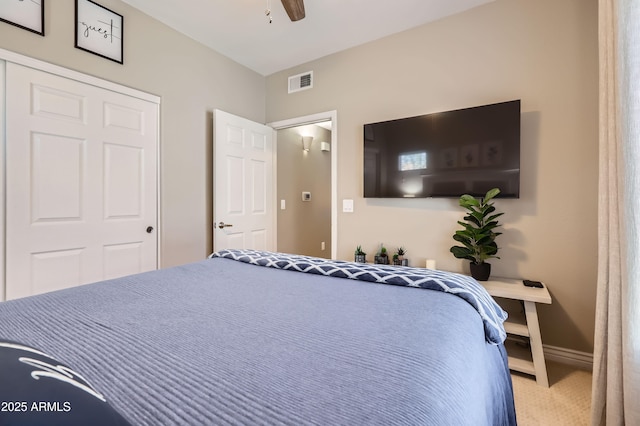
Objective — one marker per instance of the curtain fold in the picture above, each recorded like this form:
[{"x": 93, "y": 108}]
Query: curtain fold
[
  {"x": 629, "y": 18},
  {"x": 616, "y": 375}
]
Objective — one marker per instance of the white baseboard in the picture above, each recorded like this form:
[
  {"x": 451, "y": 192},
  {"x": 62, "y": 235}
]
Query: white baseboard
[{"x": 582, "y": 360}]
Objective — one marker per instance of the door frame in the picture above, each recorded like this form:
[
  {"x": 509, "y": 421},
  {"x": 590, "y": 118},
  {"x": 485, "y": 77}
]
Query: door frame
[
  {"x": 9, "y": 56},
  {"x": 301, "y": 121}
]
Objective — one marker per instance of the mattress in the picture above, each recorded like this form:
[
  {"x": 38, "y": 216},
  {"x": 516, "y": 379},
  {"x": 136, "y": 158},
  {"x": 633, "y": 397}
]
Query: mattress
[{"x": 230, "y": 342}]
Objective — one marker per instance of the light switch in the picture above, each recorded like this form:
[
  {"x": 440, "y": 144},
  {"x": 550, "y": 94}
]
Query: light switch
[
  {"x": 347, "y": 206},
  {"x": 283, "y": 205}
]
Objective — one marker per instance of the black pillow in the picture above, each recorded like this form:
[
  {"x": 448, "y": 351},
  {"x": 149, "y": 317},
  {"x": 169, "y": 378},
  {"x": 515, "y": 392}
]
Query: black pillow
[{"x": 35, "y": 389}]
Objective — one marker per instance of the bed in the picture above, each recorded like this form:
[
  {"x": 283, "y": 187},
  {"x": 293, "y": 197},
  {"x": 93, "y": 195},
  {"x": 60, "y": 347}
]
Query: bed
[{"x": 249, "y": 338}]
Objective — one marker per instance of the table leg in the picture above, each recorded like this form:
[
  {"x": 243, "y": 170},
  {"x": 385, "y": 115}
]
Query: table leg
[{"x": 535, "y": 340}]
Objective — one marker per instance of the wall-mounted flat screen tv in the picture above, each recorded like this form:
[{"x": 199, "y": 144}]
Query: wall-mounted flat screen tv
[{"x": 445, "y": 154}]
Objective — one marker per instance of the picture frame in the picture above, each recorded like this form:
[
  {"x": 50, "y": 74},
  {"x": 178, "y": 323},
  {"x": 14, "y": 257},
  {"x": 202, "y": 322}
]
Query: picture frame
[
  {"x": 492, "y": 153},
  {"x": 470, "y": 155},
  {"x": 99, "y": 30},
  {"x": 26, "y": 14},
  {"x": 449, "y": 158}
]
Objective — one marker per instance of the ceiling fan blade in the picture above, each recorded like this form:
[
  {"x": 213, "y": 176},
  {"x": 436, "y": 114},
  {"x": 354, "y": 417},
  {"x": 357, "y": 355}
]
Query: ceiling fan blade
[{"x": 294, "y": 8}]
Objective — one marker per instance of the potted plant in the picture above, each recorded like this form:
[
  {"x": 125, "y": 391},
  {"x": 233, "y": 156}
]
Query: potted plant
[
  {"x": 478, "y": 236},
  {"x": 382, "y": 258},
  {"x": 360, "y": 256},
  {"x": 398, "y": 257}
]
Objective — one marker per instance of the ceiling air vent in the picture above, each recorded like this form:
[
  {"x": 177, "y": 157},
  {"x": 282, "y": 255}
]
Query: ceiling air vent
[{"x": 300, "y": 82}]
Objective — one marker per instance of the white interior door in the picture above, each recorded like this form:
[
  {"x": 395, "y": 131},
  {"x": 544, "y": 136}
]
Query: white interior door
[
  {"x": 243, "y": 184},
  {"x": 81, "y": 183}
]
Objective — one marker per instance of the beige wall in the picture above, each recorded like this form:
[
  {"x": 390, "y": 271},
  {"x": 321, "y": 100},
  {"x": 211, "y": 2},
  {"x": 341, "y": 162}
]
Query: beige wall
[
  {"x": 191, "y": 80},
  {"x": 543, "y": 52},
  {"x": 304, "y": 225}
]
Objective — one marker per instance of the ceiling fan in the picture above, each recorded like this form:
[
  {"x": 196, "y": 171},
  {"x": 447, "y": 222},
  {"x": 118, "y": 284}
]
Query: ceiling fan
[{"x": 294, "y": 8}]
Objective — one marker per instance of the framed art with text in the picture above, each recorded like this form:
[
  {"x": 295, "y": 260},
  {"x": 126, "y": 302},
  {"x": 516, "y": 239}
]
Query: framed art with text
[
  {"x": 99, "y": 30},
  {"x": 26, "y": 14}
]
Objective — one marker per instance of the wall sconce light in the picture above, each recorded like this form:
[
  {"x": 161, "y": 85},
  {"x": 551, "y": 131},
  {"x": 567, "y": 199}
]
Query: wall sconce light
[{"x": 306, "y": 142}]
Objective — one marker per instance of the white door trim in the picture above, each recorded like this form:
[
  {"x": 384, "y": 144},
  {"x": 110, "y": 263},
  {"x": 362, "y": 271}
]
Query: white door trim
[
  {"x": 311, "y": 119},
  {"x": 9, "y": 56}
]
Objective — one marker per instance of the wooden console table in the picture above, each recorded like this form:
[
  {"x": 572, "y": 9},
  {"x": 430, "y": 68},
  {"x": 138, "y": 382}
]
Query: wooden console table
[{"x": 526, "y": 325}]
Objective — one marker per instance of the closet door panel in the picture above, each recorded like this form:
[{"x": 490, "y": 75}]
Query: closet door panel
[{"x": 81, "y": 176}]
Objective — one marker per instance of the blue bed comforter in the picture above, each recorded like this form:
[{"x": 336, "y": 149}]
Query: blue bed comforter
[
  {"x": 226, "y": 342},
  {"x": 462, "y": 286}
]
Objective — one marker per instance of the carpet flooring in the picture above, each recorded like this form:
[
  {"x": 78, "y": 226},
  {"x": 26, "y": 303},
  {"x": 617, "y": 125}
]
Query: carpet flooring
[{"x": 567, "y": 401}]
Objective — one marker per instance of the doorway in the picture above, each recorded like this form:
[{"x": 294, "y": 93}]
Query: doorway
[
  {"x": 304, "y": 189},
  {"x": 306, "y": 185}
]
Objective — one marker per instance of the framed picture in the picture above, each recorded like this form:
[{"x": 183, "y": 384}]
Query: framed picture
[
  {"x": 26, "y": 14},
  {"x": 470, "y": 156},
  {"x": 449, "y": 158},
  {"x": 99, "y": 30},
  {"x": 492, "y": 153}
]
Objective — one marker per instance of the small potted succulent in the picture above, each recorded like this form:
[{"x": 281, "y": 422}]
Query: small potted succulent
[
  {"x": 359, "y": 255},
  {"x": 398, "y": 257},
  {"x": 382, "y": 258}
]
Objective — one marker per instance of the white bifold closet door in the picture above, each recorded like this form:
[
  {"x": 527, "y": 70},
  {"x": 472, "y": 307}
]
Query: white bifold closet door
[{"x": 81, "y": 183}]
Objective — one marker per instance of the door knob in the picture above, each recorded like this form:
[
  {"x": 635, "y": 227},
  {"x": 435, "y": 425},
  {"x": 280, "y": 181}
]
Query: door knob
[
  {"x": 149, "y": 229},
  {"x": 224, "y": 225}
]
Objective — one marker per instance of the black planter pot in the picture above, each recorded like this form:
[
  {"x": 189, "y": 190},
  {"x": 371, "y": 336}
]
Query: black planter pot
[
  {"x": 360, "y": 258},
  {"x": 480, "y": 271}
]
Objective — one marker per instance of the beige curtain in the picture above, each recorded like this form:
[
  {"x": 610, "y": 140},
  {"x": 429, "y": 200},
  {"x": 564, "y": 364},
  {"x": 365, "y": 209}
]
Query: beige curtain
[{"x": 616, "y": 374}]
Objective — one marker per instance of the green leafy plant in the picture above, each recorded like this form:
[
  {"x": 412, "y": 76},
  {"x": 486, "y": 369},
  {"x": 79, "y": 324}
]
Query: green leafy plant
[
  {"x": 478, "y": 236},
  {"x": 381, "y": 257},
  {"x": 359, "y": 255},
  {"x": 398, "y": 257}
]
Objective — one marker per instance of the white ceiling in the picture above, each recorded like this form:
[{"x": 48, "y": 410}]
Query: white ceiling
[{"x": 240, "y": 30}]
